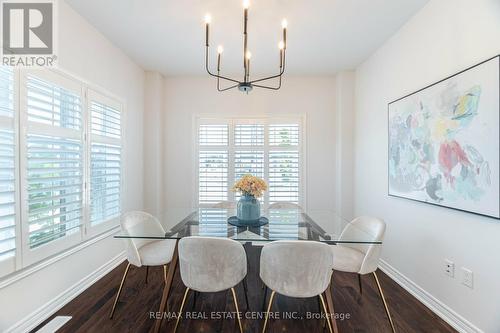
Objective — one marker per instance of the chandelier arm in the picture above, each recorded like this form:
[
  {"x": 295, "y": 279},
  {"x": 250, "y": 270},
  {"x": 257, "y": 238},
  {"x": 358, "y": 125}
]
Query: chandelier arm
[
  {"x": 267, "y": 87},
  {"x": 224, "y": 89},
  {"x": 273, "y": 76},
  {"x": 215, "y": 75}
]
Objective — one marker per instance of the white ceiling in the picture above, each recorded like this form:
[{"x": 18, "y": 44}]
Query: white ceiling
[{"x": 324, "y": 36}]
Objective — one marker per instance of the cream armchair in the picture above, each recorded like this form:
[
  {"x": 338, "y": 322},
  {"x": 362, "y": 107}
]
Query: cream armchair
[
  {"x": 211, "y": 264},
  {"x": 361, "y": 258},
  {"x": 296, "y": 269},
  {"x": 144, "y": 252}
]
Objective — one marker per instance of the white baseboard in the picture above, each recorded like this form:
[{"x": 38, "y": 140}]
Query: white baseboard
[
  {"x": 442, "y": 310},
  {"x": 35, "y": 318}
]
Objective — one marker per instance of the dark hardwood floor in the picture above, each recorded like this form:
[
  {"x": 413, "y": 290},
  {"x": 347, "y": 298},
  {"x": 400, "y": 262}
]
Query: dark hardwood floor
[{"x": 90, "y": 310}]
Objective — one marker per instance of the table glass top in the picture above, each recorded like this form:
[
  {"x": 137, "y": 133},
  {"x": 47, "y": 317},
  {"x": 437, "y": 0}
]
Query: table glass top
[{"x": 284, "y": 224}]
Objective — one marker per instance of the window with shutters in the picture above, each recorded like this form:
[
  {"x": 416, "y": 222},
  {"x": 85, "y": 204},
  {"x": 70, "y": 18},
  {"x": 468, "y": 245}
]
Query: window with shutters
[
  {"x": 60, "y": 176},
  {"x": 52, "y": 169},
  {"x": 105, "y": 159},
  {"x": 8, "y": 188},
  {"x": 227, "y": 149}
]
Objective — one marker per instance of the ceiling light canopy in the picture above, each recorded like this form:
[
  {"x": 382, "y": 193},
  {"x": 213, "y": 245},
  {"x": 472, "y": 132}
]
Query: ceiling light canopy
[{"x": 246, "y": 85}]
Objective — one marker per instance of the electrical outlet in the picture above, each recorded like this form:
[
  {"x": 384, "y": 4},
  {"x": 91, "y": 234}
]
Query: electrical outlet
[
  {"x": 449, "y": 268},
  {"x": 467, "y": 277}
]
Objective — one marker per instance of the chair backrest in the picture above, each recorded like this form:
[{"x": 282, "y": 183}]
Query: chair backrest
[
  {"x": 139, "y": 223},
  {"x": 296, "y": 268},
  {"x": 224, "y": 205},
  {"x": 360, "y": 228},
  {"x": 211, "y": 264},
  {"x": 284, "y": 205}
]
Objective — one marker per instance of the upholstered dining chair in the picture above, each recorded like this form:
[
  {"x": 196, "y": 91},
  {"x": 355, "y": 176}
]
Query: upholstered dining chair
[
  {"x": 284, "y": 205},
  {"x": 211, "y": 264},
  {"x": 144, "y": 252},
  {"x": 299, "y": 269},
  {"x": 361, "y": 258},
  {"x": 224, "y": 205}
]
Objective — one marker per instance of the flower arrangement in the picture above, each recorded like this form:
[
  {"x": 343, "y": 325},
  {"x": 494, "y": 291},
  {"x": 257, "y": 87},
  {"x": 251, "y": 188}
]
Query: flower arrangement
[{"x": 250, "y": 185}]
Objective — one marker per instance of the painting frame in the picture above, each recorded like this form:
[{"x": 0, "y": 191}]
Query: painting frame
[{"x": 496, "y": 217}]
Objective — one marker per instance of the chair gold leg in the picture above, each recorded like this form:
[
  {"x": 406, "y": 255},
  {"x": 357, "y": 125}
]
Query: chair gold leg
[
  {"x": 119, "y": 291},
  {"x": 267, "y": 312},
  {"x": 326, "y": 313},
  {"x": 383, "y": 300},
  {"x": 180, "y": 310},
  {"x": 165, "y": 269},
  {"x": 360, "y": 284},
  {"x": 237, "y": 310},
  {"x": 331, "y": 309}
]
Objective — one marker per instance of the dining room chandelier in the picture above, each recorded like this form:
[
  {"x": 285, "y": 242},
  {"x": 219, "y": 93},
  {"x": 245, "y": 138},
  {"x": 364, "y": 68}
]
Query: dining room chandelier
[{"x": 246, "y": 85}]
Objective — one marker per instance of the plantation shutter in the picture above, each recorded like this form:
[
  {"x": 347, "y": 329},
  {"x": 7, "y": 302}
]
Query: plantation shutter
[
  {"x": 68, "y": 141},
  {"x": 284, "y": 223},
  {"x": 284, "y": 163},
  {"x": 213, "y": 222},
  {"x": 54, "y": 159},
  {"x": 213, "y": 163},
  {"x": 248, "y": 162},
  {"x": 8, "y": 217},
  {"x": 7, "y": 195},
  {"x": 105, "y": 159},
  {"x": 231, "y": 148},
  {"x": 249, "y": 135},
  {"x": 249, "y": 151}
]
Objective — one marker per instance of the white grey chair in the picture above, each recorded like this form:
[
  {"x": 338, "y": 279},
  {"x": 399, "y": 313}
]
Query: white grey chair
[
  {"x": 361, "y": 258},
  {"x": 224, "y": 205},
  {"x": 211, "y": 264},
  {"x": 284, "y": 205},
  {"x": 299, "y": 269},
  {"x": 144, "y": 252}
]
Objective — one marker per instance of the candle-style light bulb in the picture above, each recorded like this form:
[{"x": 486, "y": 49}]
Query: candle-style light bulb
[
  {"x": 220, "y": 49},
  {"x": 284, "y": 25},
  {"x": 208, "y": 19},
  {"x": 248, "y": 55},
  {"x": 246, "y": 4},
  {"x": 281, "y": 46}
]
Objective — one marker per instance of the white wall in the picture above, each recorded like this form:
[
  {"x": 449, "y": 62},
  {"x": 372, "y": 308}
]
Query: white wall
[
  {"x": 446, "y": 36},
  {"x": 153, "y": 142},
  {"x": 187, "y": 97},
  {"x": 345, "y": 89},
  {"x": 84, "y": 52}
]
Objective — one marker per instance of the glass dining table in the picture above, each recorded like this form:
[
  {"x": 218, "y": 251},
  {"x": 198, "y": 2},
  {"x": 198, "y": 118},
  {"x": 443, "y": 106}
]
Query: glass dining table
[{"x": 284, "y": 224}]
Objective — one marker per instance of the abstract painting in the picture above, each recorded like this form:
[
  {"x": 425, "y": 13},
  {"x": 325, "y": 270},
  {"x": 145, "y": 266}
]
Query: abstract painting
[{"x": 444, "y": 142}]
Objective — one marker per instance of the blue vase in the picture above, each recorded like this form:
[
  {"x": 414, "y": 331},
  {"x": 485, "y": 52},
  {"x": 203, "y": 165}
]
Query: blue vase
[{"x": 248, "y": 208}]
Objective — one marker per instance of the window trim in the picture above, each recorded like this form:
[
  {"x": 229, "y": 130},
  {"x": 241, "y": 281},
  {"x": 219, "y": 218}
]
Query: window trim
[
  {"x": 27, "y": 261},
  {"x": 207, "y": 119}
]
